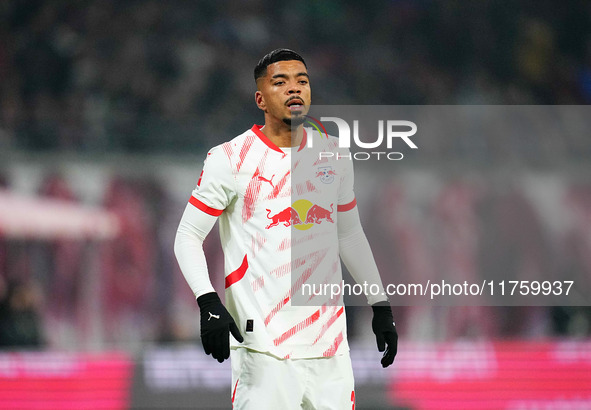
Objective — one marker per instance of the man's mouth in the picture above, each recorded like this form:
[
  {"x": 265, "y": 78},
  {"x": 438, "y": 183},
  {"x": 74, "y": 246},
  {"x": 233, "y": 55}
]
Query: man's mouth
[{"x": 295, "y": 105}]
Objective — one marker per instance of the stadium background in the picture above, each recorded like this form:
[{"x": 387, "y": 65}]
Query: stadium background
[{"x": 106, "y": 111}]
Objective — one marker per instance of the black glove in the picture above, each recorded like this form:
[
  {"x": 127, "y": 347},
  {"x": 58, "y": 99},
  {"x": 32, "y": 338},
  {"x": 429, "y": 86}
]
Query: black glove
[
  {"x": 383, "y": 326},
  {"x": 216, "y": 324}
]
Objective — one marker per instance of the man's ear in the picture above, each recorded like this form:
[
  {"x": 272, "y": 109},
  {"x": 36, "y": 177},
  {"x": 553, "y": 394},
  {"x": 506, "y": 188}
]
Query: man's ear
[{"x": 260, "y": 100}]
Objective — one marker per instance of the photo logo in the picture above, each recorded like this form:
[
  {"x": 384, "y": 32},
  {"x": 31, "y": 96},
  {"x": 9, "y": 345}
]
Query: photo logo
[
  {"x": 389, "y": 131},
  {"x": 317, "y": 125}
]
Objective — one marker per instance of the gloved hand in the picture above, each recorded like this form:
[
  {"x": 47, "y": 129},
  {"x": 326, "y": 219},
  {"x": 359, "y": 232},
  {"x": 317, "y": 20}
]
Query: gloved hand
[
  {"x": 383, "y": 326},
  {"x": 216, "y": 325}
]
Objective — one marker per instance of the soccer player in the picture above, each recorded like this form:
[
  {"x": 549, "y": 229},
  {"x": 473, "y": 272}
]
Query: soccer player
[{"x": 283, "y": 356}]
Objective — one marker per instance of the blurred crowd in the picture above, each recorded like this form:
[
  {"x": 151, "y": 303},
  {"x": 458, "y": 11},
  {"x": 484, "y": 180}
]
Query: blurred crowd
[
  {"x": 473, "y": 229},
  {"x": 154, "y": 76},
  {"x": 20, "y": 315},
  {"x": 89, "y": 293}
]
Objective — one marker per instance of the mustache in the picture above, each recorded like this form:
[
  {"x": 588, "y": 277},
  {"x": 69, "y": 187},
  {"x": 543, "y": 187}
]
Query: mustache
[{"x": 294, "y": 98}]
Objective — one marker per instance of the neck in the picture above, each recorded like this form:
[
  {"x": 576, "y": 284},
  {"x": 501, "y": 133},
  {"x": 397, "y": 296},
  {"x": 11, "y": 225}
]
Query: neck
[{"x": 281, "y": 134}]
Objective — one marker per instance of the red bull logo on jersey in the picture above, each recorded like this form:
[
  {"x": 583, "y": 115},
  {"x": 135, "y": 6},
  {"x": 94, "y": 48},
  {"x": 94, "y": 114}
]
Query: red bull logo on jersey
[
  {"x": 287, "y": 217},
  {"x": 326, "y": 175},
  {"x": 302, "y": 214},
  {"x": 316, "y": 214}
]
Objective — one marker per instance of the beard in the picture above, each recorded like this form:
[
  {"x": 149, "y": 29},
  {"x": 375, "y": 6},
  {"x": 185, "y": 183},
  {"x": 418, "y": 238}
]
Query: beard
[{"x": 295, "y": 120}]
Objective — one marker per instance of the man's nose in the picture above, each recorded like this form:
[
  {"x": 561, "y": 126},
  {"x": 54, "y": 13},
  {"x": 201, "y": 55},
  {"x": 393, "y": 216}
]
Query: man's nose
[{"x": 294, "y": 88}]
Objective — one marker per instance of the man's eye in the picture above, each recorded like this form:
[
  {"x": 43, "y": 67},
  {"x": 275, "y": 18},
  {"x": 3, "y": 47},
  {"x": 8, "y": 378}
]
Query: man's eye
[
  {"x": 303, "y": 82},
  {"x": 279, "y": 83}
]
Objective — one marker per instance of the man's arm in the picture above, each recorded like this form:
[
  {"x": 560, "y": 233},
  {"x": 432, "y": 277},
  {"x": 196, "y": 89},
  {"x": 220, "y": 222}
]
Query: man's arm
[
  {"x": 356, "y": 253},
  {"x": 214, "y": 192},
  {"x": 216, "y": 322},
  {"x": 194, "y": 227},
  {"x": 357, "y": 256}
]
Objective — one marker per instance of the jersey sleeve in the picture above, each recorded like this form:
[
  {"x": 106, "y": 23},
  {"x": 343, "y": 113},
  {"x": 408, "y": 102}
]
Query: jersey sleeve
[
  {"x": 357, "y": 256},
  {"x": 216, "y": 186},
  {"x": 188, "y": 248},
  {"x": 346, "y": 200}
]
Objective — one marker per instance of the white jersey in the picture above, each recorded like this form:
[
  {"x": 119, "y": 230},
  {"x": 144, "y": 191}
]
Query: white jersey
[{"x": 278, "y": 230}]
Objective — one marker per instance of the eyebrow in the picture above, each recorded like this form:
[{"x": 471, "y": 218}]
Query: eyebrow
[{"x": 285, "y": 75}]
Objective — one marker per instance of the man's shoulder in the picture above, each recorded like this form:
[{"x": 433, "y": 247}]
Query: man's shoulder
[
  {"x": 232, "y": 155},
  {"x": 333, "y": 142},
  {"x": 235, "y": 145}
]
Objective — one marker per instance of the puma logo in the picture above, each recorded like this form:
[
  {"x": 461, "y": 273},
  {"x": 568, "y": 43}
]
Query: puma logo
[
  {"x": 211, "y": 315},
  {"x": 270, "y": 181}
]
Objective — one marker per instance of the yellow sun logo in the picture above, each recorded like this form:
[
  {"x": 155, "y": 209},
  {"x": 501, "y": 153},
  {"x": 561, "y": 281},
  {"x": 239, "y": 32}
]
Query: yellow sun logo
[{"x": 302, "y": 206}]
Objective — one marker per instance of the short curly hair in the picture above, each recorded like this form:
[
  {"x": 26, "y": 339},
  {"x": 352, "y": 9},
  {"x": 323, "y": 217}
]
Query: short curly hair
[{"x": 281, "y": 54}]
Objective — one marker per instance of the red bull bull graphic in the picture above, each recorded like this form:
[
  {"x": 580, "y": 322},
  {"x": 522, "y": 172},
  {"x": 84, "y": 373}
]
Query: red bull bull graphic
[
  {"x": 316, "y": 214},
  {"x": 302, "y": 215},
  {"x": 287, "y": 217}
]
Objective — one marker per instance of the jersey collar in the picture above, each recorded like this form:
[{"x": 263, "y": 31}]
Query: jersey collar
[{"x": 257, "y": 130}]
